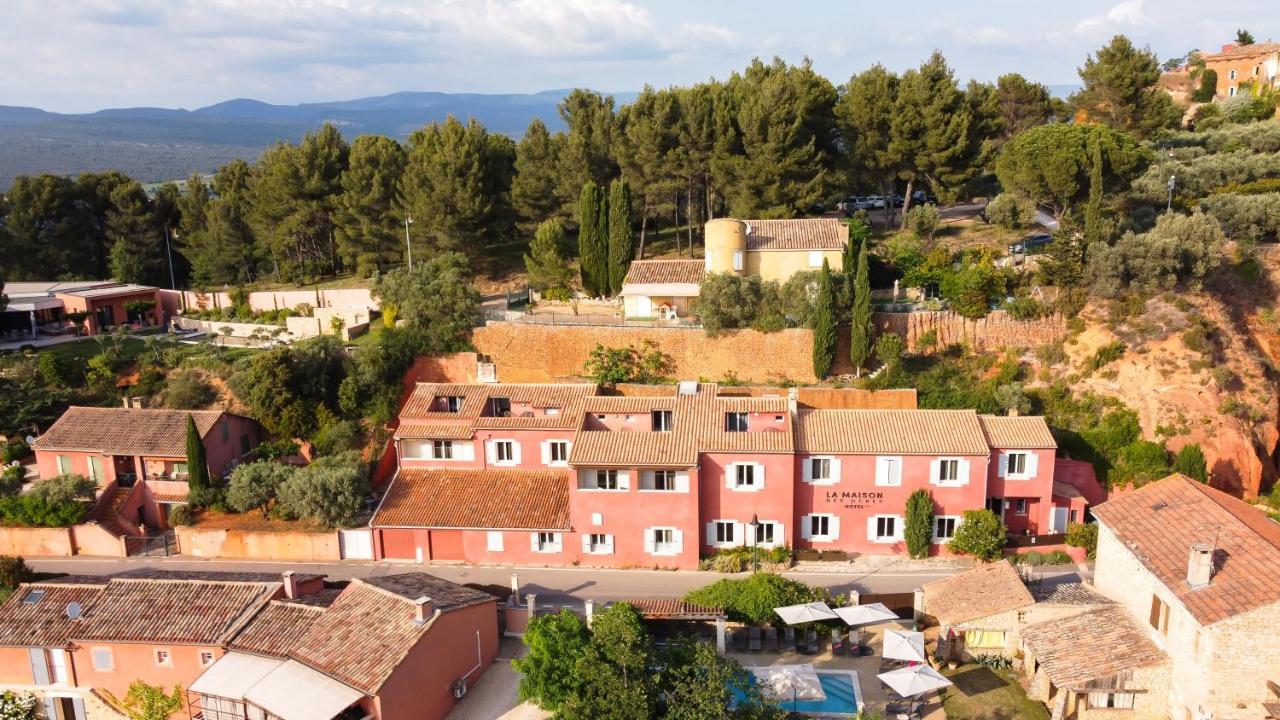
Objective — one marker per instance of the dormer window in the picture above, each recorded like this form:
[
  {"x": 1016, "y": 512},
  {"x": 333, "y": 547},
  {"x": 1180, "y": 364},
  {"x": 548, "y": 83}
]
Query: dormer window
[
  {"x": 735, "y": 422},
  {"x": 552, "y": 411},
  {"x": 452, "y": 403},
  {"x": 662, "y": 421},
  {"x": 500, "y": 406},
  {"x": 32, "y": 597}
]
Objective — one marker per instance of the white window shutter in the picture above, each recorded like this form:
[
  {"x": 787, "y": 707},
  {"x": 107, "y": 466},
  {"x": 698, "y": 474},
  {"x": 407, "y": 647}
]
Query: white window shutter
[
  {"x": 677, "y": 538},
  {"x": 835, "y": 527},
  {"x": 545, "y": 447},
  {"x": 759, "y": 476},
  {"x": 899, "y": 527},
  {"x": 807, "y": 469},
  {"x": 729, "y": 471},
  {"x": 624, "y": 480},
  {"x": 586, "y": 542},
  {"x": 835, "y": 469},
  {"x": 533, "y": 541},
  {"x": 490, "y": 453},
  {"x": 739, "y": 534},
  {"x": 1033, "y": 460},
  {"x": 515, "y": 452},
  {"x": 882, "y": 471},
  {"x": 1002, "y": 468},
  {"x": 682, "y": 482},
  {"x": 806, "y": 526},
  {"x": 711, "y": 533},
  {"x": 935, "y": 470},
  {"x": 779, "y": 534},
  {"x": 963, "y": 467},
  {"x": 608, "y": 544},
  {"x": 871, "y": 528},
  {"x": 464, "y": 450},
  {"x": 648, "y": 540}
]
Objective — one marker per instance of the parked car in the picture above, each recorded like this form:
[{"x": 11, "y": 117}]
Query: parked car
[
  {"x": 1030, "y": 243},
  {"x": 875, "y": 202},
  {"x": 921, "y": 197}
]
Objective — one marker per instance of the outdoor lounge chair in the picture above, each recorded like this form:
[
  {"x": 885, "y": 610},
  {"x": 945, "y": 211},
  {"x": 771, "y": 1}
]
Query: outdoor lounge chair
[
  {"x": 904, "y": 709},
  {"x": 789, "y": 640},
  {"x": 837, "y": 642},
  {"x": 811, "y": 643},
  {"x": 771, "y": 639},
  {"x": 755, "y": 635}
]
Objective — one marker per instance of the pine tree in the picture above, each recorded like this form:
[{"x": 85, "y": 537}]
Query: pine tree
[
  {"x": 621, "y": 245},
  {"x": 592, "y": 245},
  {"x": 860, "y": 321},
  {"x": 545, "y": 260},
  {"x": 369, "y": 213},
  {"x": 931, "y": 129},
  {"x": 535, "y": 191},
  {"x": 824, "y": 324},
  {"x": 137, "y": 249},
  {"x": 197, "y": 465},
  {"x": 1094, "y": 230}
]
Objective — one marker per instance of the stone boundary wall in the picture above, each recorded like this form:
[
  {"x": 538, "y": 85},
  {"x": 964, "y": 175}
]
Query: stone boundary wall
[
  {"x": 36, "y": 542},
  {"x": 249, "y": 544},
  {"x": 995, "y": 330}
]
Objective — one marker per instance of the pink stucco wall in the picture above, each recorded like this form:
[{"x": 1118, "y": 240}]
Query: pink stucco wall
[
  {"x": 136, "y": 661},
  {"x": 530, "y": 442},
  {"x": 774, "y": 502},
  {"x": 628, "y": 514}
]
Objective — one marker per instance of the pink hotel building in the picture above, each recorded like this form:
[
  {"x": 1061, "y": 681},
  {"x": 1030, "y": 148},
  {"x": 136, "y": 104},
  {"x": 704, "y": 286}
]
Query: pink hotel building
[{"x": 557, "y": 474}]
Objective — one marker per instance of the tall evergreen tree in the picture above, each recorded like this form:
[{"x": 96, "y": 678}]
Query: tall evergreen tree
[
  {"x": 621, "y": 245},
  {"x": 137, "y": 249},
  {"x": 545, "y": 261},
  {"x": 931, "y": 129},
  {"x": 193, "y": 204},
  {"x": 535, "y": 188},
  {"x": 860, "y": 332},
  {"x": 1120, "y": 90},
  {"x": 918, "y": 525},
  {"x": 197, "y": 465},
  {"x": 1023, "y": 104},
  {"x": 587, "y": 153},
  {"x": 46, "y": 234},
  {"x": 864, "y": 115},
  {"x": 824, "y": 324},
  {"x": 592, "y": 244},
  {"x": 1094, "y": 230},
  {"x": 646, "y": 142},
  {"x": 93, "y": 204},
  {"x": 369, "y": 210}
]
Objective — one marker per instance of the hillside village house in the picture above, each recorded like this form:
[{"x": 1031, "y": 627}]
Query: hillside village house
[
  {"x": 558, "y": 475},
  {"x": 768, "y": 249},
  {"x": 138, "y": 458},
  {"x": 1237, "y": 65},
  {"x": 40, "y": 308},
  {"x": 249, "y": 645}
]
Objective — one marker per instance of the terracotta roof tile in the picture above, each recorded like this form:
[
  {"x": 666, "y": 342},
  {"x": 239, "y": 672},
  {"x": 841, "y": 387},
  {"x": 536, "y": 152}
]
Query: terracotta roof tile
[
  {"x": 628, "y": 404},
  {"x": 1068, "y": 594},
  {"x": 1244, "y": 51},
  {"x": 494, "y": 499},
  {"x": 36, "y": 613},
  {"x": 1160, "y": 521},
  {"x": 801, "y": 234},
  {"x": 897, "y": 432},
  {"x": 987, "y": 589},
  {"x": 639, "y": 448},
  {"x": 567, "y": 398},
  {"x": 657, "y": 609},
  {"x": 433, "y": 431},
  {"x": 1017, "y": 433},
  {"x": 1095, "y": 645},
  {"x": 276, "y": 630},
  {"x": 197, "y": 610},
  {"x": 125, "y": 431},
  {"x": 665, "y": 272},
  {"x": 364, "y": 635}
]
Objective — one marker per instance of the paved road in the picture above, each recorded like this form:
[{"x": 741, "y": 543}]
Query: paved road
[{"x": 552, "y": 585}]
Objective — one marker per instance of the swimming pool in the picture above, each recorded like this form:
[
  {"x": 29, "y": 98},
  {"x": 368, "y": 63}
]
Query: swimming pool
[{"x": 844, "y": 696}]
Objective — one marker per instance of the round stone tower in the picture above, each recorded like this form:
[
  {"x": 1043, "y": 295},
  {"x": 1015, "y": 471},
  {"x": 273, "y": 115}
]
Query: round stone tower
[{"x": 726, "y": 240}]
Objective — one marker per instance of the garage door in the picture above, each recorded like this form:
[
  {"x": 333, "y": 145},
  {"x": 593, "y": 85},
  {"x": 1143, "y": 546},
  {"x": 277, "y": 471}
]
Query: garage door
[
  {"x": 399, "y": 544},
  {"x": 447, "y": 545},
  {"x": 355, "y": 544}
]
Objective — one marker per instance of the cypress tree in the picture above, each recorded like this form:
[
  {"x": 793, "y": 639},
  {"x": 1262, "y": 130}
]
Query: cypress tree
[
  {"x": 824, "y": 324},
  {"x": 918, "y": 528},
  {"x": 621, "y": 247},
  {"x": 197, "y": 465},
  {"x": 860, "y": 322},
  {"x": 591, "y": 243}
]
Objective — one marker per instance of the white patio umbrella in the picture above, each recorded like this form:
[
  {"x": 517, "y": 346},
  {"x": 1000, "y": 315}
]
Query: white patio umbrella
[
  {"x": 914, "y": 680},
  {"x": 855, "y": 615},
  {"x": 809, "y": 612},
  {"x": 904, "y": 645},
  {"x": 789, "y": 682}
]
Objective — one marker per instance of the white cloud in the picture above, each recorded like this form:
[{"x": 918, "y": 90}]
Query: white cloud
[{"x": 1127, "y": 15}]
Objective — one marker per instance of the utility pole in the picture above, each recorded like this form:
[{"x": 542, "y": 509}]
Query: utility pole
[
  {"x": 1173, "y": 181},
  {"x": 173, "y": 285},
  {"x": 408, "y": 247}
]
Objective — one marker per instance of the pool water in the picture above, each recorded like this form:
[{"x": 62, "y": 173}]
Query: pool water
[{"x": 842, "y": 692}]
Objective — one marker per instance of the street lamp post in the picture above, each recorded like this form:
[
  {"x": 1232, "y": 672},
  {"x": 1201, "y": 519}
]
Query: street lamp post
[
  {"x": 1173, "y": 181},
  {"x": 173, "y": 285},
  {"x": 755, "y": 542},
  {"x": 408, "y": 247}
]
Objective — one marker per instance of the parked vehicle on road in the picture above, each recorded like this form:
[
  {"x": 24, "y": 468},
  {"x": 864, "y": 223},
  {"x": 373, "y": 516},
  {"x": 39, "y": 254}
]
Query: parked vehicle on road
[{"x": 1030, "y": 243}]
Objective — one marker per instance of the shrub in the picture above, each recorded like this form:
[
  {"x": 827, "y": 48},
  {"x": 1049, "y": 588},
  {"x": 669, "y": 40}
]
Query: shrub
[
  {"x": 924, "y": 221},
  {"x": 645, "y": 364},
  {"x": 1246, "y": 216},
  {"x": 994, "y": 662},
  {"x": 918, "y": 526},
  {"x": 58, "y": 370},
  {"x": 15, "y": 449},
  {"x": 330, "y": 490},
  {"x": 753, "y": 599},
  {"x": 980, "y": 534},
  {"x": 276, "y": 449},
  {"x": 1140, "y": 462},
  {"x": 1058, "y": 557},
  {"x": 1032, "y": 558},
  {"x": 1083, "y": 535},
  {"x": 1011, "y": 211},
  {"x": 1179, "y": 249},
  {"x": 13, "y": 570},
  {"x": 30, "y": 510},
  {"x": 1104, "y": 356},
  {"x": 555, "y": 643},
  {"x": 188, "y": 390},
  {"x": 1190, "y": 462},
  {"x": 64, "y": 489},
  {"x": 727, "y": 302},
  {"x": 1026, "y": 308},
  {"x": 181, "y": 515},
  {"x": 254, "y": 485},
  {"x": 889, "y": 348},
  {"x": 12, "y": 480},
  {"x": 557, "y": 294},
  {"x": 337, "y": 437},
  {"x": 18, "y": 705}
]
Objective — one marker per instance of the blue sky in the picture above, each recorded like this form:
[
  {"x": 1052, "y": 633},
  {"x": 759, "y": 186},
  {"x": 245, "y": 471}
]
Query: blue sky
[{"x": 80, "y": 55}]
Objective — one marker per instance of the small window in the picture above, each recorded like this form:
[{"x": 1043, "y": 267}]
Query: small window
[
  {"x": 996, "y": 505},
  {"x": 1071, "y": 516},
  {"x": 452, "y": 404},
  {"x": 163, "y": 659},
  {"x": 551, "y": 411},
  {"x": 504, "y": 451},
  {"x": 819, "y": 526},
  {"x": 661, "y": 421},
  {"x": 944, "y": 528},
  {"x": 663, "y": 480},
  {"x": 493, "y": 541},
  {"x": 1231, "y": 74},
  {"x": 1159, "y": 618},
  {"x": 606, "y": 480},
  {"x": 558, "y": 452},
  {"x": 1017, "y": 464},
  {"x": 597, "y": 543},
  {"x": 664, "y": 541},
  {"x": 764, "y": 533},
  {"x": 1020, "y": 507},
  {"x": 735, "y": 422},
  {"x": 441, "y": 449},
  {"x": 820, "y": 469},
  {"x": 33, "y": 596},
  {"x": 744, "y": 475},
  {"x": 500, "y": 406},
  {"x": 1231, "y": 92},
  {"x": 949, "y": 471},
  {"x": 548, "y": 542},
  {"x": 815, "y": 258},
  {"x": 206, "y": 658},
  {"x": 103, "y": 661},
  {"x": 724, "y": 532},
  {"x": 737, "y": 259},
  {"x": 886, "y": 527}
]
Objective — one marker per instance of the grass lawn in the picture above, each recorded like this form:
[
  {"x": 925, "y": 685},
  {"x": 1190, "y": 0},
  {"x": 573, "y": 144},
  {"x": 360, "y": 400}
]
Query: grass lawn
[{"x": 983, "y": 694}]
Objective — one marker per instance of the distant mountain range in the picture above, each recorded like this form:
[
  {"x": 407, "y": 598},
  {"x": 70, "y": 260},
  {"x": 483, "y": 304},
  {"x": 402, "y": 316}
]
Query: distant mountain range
[{"x": 154, "y": 144}]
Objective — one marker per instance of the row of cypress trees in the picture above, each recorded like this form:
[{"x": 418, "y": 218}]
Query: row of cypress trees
[
  {"x": 827, "y": 309},
  {"x": 605, "y": 241}
]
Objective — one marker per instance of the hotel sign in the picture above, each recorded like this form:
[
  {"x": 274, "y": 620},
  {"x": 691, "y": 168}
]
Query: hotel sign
[{"x": 854, "y": 499}]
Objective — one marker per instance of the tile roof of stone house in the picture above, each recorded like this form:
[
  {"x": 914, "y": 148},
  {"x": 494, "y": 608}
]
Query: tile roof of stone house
[
  {"x": 1242, "y": 51},
  {"x": 665, "y": 272},
  {"x": 1160, "y": 521},
  {"x": 800, "y": 234},
  {"x": 493, "y": 499},
  {"x": 1094, "y": 645},
  {"x": 1068, "y": 594},
  {"x": 35, "y": 615},
  {"x": 987, "y": 589},
  {"x": 901, "y": 432},
  {"x": 566, "y": 398},
  {"x": 1024, "y": 432},
  {"x": 277, "y": 628},
  {"x": 368, "y": 630},
  {"x": 203, "y": 608},
  {"x": 125, "y": 431}
]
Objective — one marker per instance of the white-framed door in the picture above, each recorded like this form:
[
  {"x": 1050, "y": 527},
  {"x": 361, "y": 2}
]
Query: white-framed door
[{"x": 1058, "y": 520}]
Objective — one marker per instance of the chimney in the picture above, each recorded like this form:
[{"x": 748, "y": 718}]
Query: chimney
[
  {"x": 1200, "y": 565},
  {"x": 1228, "y": 47},
  {"x": 423, "y": 609},
  {"x": 1012, "y": 412},
  {"x": 290, "y": 585}
]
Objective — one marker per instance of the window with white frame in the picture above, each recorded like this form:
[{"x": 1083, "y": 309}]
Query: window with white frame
[
  {"x": 557, "y": 452},
  {"x": 820, "y": 527},
  {"x": 1020, "y": 506},
  {"x": 821, "y": 471},
  {"x": 1231, "y": 74},
  {"x": 888, "y": 471},
  {"x": 944, "y": 527},
  {"x": 886, "y": 528},
  {"x": 545, "y": 542},
  {"x": 815, "y": 258},
  {"x": 735, "y": 422},
  {"x": 746, "y": 476},
  {"x": 103, "y": 660},
  {"x": 551, "y": 411},
  {"x": 206, "y": 658},
  {"x": 659, "y": 480},
  {"x": 661, "y": 420},
  {"x": 949, "y": 471},
  {"x": 606, "y": 480},
  {"x": 1111, "y": 700},
  {"x": 766, "y": 533},
  {"x": 493, "y": 541},
  {"x": 663, "y": 541},
  {"x": 500, "y": 406},
  {"x": 597, "y": 544},
  {"x": 737, "y": 259},
  {"x": 504, "y": 452},
  {"x": 452, "y": 403},
  {"x": 441, "y": 450},
  {"x": 1018, "y": 465},
  {"x": 724, "y": 533},
  {"x": 1231, "y": 92},
  {"x": 64, "y": 465},
  {"x": 163, "y": 658}
]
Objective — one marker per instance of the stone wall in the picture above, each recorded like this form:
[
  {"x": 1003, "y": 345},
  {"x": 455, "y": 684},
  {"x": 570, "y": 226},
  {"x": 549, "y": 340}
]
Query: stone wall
[
  {"x": 538, "y": 353},
  {"x": 994, "y": 331},
  {"x": 257, "y": 545},
  {"x": 36, "y": 542}
]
